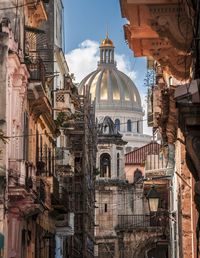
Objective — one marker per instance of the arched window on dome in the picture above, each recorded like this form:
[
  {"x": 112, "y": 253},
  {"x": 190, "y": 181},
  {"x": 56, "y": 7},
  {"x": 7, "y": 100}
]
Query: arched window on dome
[
  {"x": 129, "y": 126},
  {"x": 117, "y": 124},
  {"x": 105, "y": 165}
]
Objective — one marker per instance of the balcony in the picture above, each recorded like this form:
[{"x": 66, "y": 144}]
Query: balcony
[
  {"x": 63, "y": 102},
  {"x": 21, "y": 180},
  {"x": 37, "y": 71},
  {"x": 43, "y": 190},
  {"x": 64, "y": 162},
  {"x": 54, "y": 188},
  {"x": 131, "y": 222}
]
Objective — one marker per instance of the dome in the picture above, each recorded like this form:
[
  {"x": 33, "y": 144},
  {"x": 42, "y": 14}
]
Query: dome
[
  {"x": 107, "y": 42},
  {"x": 117, "y": 100},
  {"x": 109, "y": 87}
]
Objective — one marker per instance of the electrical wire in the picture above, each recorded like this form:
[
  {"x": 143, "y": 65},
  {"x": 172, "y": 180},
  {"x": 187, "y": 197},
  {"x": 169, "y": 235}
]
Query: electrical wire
[{"x": 49, "y": 133}]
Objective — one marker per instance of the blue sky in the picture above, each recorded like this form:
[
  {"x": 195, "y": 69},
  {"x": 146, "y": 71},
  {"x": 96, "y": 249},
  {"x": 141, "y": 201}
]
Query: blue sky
[
  {"x": 85, "y": 23},
  {"x": 89, "y": 19}
]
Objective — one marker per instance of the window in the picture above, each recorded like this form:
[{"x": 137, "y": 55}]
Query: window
[
  {"x": 170, "y": 81},
  {"x": 138, "y": 126},
  {"x": 105, "y": 165},
  {"x": 117, "y": 124},
  {"x": 137, "y": 176},
  {"x": 129, "y": 129},
  {"x": 118, "y": 163},
  {"x": 105, "y": 207}
]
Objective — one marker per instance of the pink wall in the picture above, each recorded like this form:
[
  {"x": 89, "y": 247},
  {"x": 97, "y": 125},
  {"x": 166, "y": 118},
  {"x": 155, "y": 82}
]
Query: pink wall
[{"x": 130, "y": 169}]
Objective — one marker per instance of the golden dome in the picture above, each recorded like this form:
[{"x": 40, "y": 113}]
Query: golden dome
[{"x": 107, "y": 42}]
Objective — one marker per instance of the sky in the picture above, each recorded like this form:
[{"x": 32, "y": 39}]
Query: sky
[{"x": 85, "y": 25}]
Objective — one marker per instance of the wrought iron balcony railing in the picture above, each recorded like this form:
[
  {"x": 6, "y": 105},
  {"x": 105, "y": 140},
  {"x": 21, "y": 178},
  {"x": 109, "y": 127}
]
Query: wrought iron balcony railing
[
  {"x": 141, "y": 221},
  {"x": 37, "y": 71}
]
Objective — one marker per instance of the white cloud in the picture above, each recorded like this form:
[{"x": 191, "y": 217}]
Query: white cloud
[{"x": 83, "y": 60}]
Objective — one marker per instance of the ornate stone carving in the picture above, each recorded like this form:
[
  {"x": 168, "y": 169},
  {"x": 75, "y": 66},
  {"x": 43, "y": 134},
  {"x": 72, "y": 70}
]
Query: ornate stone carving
[
  {"x": 37, "y": 14},
  {"x": 172, "y": 22},
  {"x": 173, "y": 61},
  {"x": 164, "y": 32}
]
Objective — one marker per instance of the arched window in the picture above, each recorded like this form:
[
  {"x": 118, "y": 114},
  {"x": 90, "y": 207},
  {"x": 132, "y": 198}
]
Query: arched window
[
  {"x": 129, "y": 128},
  {"x": 105, "y": 165},
  {"x": 118, "y": 164},
  {"x": 117, "y": 124},
  {"x": 137, "y": 176}
]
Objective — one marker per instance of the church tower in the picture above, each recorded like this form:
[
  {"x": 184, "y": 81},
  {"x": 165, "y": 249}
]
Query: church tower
[
  {"x": 111, "y": 189},
  {"x": 110, "y": 155}
]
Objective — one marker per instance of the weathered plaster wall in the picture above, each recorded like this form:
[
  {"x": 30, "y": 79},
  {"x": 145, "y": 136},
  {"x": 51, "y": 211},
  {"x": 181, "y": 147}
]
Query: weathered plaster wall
[{"x": 130, "y": 170}]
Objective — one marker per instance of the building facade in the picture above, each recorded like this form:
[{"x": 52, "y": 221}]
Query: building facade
[
  {"x": 47, "y": 160},
  {"x": 165, "y": 32},
  {"x": 124, "y": 225}
]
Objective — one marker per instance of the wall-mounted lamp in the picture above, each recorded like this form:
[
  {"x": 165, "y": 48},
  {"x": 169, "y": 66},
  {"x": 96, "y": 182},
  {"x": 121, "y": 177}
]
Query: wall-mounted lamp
[{"x": 153, "y": 198}]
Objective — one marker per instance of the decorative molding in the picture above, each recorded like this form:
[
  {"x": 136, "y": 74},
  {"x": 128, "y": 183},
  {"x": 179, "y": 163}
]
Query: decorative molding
[{"x": 172, "y": 22}]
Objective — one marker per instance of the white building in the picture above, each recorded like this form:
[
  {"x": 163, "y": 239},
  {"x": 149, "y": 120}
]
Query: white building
[{"x": 116, "y": 96}]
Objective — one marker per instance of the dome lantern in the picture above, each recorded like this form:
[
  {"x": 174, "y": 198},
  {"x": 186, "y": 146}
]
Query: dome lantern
[{"x": 107, "y": 51}]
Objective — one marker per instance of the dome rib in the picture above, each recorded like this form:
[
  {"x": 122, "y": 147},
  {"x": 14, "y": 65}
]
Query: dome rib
[
  {"x": 119, "y": 85},
  {"x": 132, "y": 86},
  {"x": 98, "y": 87}
]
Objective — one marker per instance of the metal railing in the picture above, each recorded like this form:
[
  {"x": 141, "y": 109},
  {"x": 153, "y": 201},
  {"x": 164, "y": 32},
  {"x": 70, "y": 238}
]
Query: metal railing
[
  {"x": 37, "y": 71},
  {"x": 141, "y": 221}
]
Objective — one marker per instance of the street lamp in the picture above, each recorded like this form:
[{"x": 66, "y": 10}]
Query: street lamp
[{"x": 153, "y": 199}]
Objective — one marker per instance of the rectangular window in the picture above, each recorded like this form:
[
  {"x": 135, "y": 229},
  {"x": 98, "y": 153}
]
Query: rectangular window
[{"x": 105, "y": 207}]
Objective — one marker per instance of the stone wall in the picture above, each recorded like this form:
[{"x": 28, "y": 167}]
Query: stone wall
[{"x": 187, "y": 215}]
